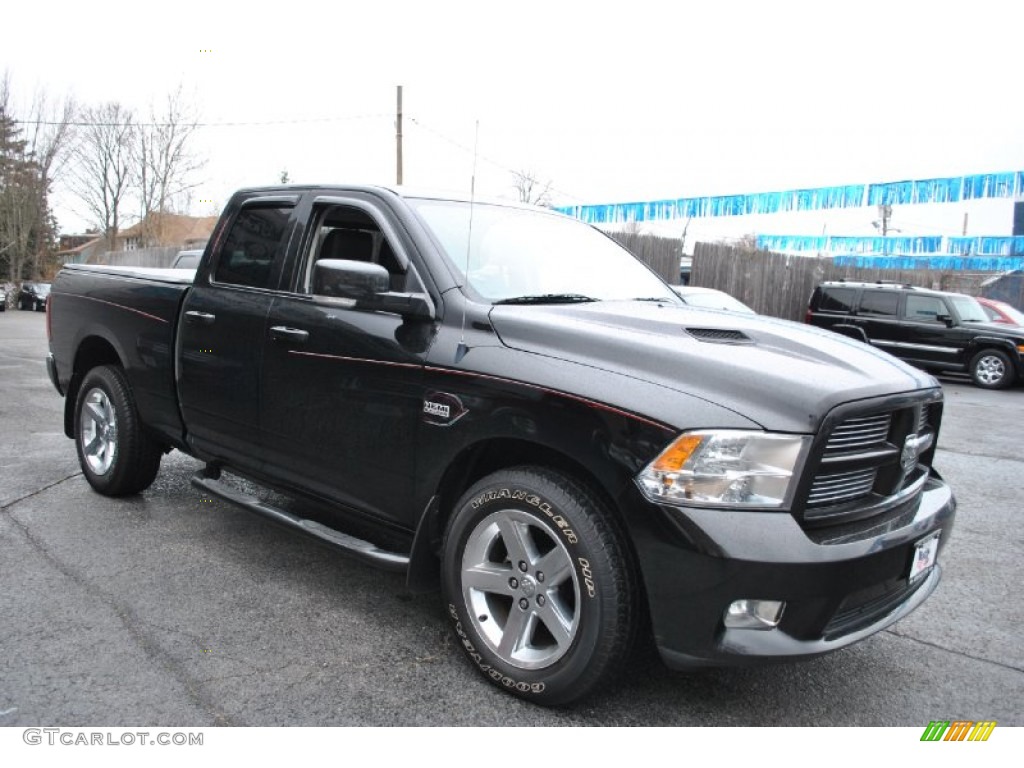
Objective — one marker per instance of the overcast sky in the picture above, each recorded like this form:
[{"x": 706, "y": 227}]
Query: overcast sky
[{"x": 610, "y": 102}]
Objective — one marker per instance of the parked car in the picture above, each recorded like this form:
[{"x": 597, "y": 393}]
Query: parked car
[
  {"x": 187, "y": 259},
  {"x": 1001, "y": 312},
  {"x": 934, "y": 330},
  {"x": 3, "y": 298},
  {"x": 561, "y": 446},
  {"x": 33, "y": 296},
  {"x": 709, "y": 298}
]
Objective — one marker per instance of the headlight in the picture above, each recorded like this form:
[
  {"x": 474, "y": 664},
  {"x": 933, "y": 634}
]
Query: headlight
[{"x": 725, "y": 468}]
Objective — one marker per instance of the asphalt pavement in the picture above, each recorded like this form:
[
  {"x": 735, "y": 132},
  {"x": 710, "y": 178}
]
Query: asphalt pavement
[{"x": 172, "y": 609}]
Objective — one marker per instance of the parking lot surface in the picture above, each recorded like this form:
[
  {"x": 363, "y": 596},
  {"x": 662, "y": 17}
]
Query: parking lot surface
[{"x": 170, "y": 608}]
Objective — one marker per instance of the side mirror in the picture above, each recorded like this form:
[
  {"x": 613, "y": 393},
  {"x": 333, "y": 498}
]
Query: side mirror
[
  {"x": 355, "y": 280},
  {"x": 364, "y": 285},
  {"x": 947, "y": 319}
]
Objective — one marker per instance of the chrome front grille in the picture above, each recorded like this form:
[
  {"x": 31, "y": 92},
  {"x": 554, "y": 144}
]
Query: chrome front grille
[
  {"x": 923, "y": 419},
  {"x": 842, "y": 486},
  {"x": 859, "y": 433},
  {"x": 859, "y": 471}
]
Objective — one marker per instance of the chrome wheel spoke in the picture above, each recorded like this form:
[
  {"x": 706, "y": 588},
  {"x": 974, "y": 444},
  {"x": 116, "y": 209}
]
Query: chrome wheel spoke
[
  {"x": 514, "y": 536},
  {"x": 94, "y": 445},
  {"x": 556, "y": 567},
  {"x": 488, "y": 578},
  {"x": 517, "y": 632},
  {"x": 97, "y": 413},
  {"x": 557, "y": 623}
]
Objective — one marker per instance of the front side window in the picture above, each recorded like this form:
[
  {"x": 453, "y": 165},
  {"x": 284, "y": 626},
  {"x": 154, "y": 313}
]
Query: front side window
[
  {"x": 925, "y": 309},
  {"x": 351, "y": 234},
  {"x": 879, "y": 303},
  {"x": 255, "y": 238}
]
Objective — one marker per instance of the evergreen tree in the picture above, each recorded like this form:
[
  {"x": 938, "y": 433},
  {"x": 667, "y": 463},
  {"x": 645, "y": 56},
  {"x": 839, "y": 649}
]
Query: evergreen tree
[{"x": 26, "y": 226}]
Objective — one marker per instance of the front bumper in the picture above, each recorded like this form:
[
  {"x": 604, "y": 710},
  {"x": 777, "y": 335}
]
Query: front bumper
[{"x": 839, "y": 584}]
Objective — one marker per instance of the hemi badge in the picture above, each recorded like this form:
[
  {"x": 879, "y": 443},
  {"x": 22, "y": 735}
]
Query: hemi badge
[{"x": 442, "y": 409}]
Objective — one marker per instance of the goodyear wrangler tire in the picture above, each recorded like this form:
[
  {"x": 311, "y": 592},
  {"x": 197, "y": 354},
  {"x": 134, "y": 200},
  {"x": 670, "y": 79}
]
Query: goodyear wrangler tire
[
  {"x": 117, "y": 457},
  {"x": 538, "y": 585}
]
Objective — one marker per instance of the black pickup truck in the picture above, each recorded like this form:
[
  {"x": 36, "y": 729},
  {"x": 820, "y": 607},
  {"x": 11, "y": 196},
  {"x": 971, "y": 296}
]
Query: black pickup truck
[{"x": 500, "y": 401}]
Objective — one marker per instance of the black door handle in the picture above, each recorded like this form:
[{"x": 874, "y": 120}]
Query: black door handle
[
  {"x": 205, "y": 318},
  {"x": 284, "y": 333}
]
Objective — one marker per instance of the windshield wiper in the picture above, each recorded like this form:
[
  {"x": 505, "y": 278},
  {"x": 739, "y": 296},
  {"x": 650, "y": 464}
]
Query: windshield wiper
[
  {"x": 652, "y": 298},
  {"x": 547, "y": 298}
]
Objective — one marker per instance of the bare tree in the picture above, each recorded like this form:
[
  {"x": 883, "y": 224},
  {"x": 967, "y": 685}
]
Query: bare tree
[
  {"x": 747, "y": 243},
  {"x": 530, "y": 189},
  {"x": 29, "y": 160},
  {"x": 104, "y": 169},
  {"x": 164, "y": 163}
]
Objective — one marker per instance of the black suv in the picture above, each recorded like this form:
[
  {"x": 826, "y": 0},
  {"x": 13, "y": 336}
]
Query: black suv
[
  {"x": 33, "y": 296},
  {"x": 934, "y": 330}
]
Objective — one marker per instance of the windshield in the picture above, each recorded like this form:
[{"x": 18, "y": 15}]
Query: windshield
[
  {"x": 969, "y": 310},
  {"x": 519, "y": 254}
]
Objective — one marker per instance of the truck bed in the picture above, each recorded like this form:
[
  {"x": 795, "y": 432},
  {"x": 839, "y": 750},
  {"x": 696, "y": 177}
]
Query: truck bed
[
  {"x": 162, "y": 275},
  {"x": 126, "y": 313}
]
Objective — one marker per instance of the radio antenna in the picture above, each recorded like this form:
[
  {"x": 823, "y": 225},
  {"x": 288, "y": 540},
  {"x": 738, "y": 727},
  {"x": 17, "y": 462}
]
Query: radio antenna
[{"x": 462, "y": 349}]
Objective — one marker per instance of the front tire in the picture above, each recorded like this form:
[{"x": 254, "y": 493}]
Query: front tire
[
  {"x": 538, "y": 585},
  {"x": 992, "y": 369},
  {"x": 117, "y": 456}
]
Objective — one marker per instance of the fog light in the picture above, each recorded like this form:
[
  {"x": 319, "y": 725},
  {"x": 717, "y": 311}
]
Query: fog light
[{"x": 754, "y": 614}]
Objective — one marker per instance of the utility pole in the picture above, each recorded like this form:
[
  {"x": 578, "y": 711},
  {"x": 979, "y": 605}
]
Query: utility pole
[
  {"x": 882, "y": 225},
  {"x": 884, "y": 214},
  {"x": 398, "y": 138}
]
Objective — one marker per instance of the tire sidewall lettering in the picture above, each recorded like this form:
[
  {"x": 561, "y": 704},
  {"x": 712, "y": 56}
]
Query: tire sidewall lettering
[
  {"x": 535, "y": 501},
  {"x": 497, "y": 675}
]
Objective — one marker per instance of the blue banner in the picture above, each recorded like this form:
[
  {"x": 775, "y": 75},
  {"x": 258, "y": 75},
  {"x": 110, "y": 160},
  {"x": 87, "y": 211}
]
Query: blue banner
[
  {"x": 911, "y": 192},
  {"x": 895, "y": 246},
  {"x": 948, "y": 263}
]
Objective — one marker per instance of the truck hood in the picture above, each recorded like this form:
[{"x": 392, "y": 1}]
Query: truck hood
[{"x": 783, "y": 375}]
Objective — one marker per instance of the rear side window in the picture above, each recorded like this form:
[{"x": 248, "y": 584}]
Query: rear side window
[
  {"x": 251, "y": 246},
  {"x": 836, "y": 300},
  {"x": 879, "y": 303}
]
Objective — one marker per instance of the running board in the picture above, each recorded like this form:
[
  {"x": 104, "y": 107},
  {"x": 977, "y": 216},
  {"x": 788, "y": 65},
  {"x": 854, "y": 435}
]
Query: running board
[{"x": 364, "y": 550}]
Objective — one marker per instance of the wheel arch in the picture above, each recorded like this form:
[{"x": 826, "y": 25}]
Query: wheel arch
[
  {"x": 483, "y": 458},
  {"x": 92, "y": 351}
]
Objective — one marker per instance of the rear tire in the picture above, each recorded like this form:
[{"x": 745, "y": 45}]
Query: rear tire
[
  {"x": 117, "y": 456},
  {"x": 992, "y": 369},
  {"x": 538, "y": 585}
]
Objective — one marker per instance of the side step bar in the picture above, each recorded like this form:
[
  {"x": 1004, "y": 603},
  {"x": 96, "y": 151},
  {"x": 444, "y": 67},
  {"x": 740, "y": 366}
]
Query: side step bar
[{"x": 364, "y": 550}]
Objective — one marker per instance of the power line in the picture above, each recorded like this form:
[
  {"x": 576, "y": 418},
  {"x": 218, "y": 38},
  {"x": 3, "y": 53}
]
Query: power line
[
  {"x": 469, "y": 151},
  {"x": 296, "y": 121},
  {"x": 224, "y": 124}
]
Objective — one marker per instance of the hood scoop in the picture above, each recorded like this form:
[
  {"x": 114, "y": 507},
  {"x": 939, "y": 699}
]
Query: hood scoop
[{"x": 719, "y": 335}]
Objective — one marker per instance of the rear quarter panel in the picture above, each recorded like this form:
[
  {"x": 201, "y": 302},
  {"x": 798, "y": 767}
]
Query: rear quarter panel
[{"x": 134, "y": 315}]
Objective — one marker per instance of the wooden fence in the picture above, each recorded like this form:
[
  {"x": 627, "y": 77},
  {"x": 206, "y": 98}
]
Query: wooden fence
[
  {"x": 659, "y": 253},
  {"x": 140, "y": 257},
  {"x": 779, "y": 285}
]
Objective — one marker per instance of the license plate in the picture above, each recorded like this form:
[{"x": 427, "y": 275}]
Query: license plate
[{"x": 925, "y": 552}]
